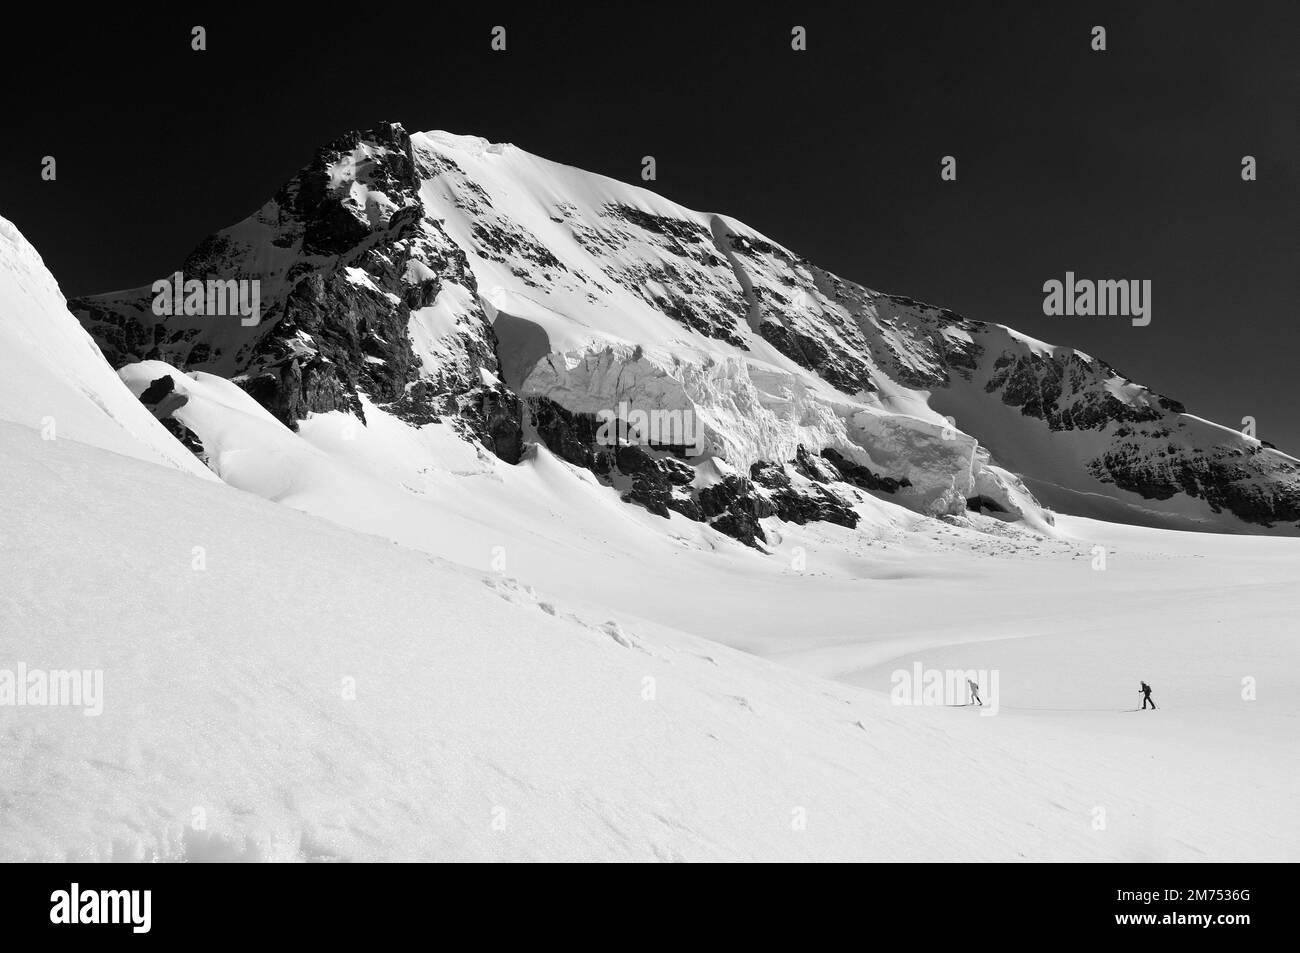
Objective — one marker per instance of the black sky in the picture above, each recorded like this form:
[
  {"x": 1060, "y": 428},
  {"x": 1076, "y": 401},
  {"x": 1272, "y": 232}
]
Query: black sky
[{"x": 1122, "y": 164}]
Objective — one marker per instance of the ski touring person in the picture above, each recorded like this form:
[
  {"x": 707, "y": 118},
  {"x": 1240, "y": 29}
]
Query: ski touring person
[
  {"x": 974, "y": 691},
  {"x": 1146, "y": 696}
]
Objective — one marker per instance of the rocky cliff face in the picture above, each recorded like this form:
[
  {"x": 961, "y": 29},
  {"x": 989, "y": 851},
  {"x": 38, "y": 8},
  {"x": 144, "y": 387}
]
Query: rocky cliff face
[
  {"x": 443, "y": 278},
  {"x": 362, "y": 293}
]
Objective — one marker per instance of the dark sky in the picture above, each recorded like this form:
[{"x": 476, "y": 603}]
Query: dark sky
[{"x": 1122, "y": 164}]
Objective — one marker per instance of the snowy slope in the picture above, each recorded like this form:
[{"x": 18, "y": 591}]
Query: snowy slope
[
  {"x": 54, "y": 379},
  {"x": 500, "y": 654},
  {"x": 492, "y": 723}
]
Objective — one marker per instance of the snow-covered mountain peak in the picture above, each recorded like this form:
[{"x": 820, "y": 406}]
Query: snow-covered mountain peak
[{"x": 439, "y": 277}]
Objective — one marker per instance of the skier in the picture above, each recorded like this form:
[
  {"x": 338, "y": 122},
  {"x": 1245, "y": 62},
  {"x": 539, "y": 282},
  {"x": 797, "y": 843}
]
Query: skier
[
  {"x": 975, "y": 691},
  {"x": 1146, "y": 696}
]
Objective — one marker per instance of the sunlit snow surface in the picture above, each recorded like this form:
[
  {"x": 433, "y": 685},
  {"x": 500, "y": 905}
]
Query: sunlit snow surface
[{"x": 377, "y": 643}]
